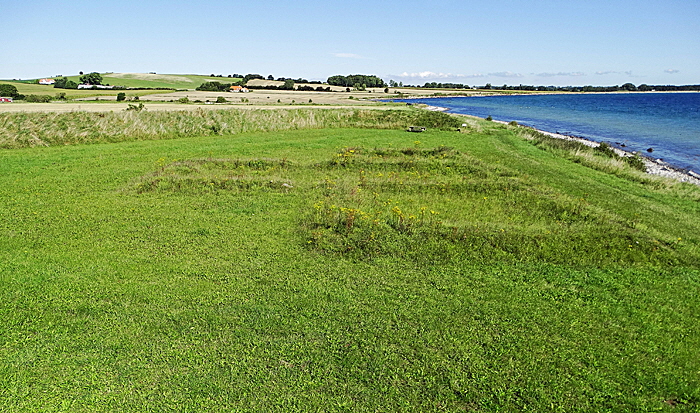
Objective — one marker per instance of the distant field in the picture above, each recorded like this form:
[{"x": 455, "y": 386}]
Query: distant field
[
  {"x": 34, "y": 89},
  {"x": 147, "y": 80}
]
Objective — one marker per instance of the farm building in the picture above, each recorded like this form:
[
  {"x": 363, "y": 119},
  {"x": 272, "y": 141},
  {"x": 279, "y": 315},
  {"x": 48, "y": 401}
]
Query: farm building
[
  {"x": 46, "y": 81},
  {"x": 238, "y": 89},
  {"x": 5, "y": 100}
]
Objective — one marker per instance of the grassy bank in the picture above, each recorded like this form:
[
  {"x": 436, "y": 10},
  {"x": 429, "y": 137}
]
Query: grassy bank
[
  {"x": 341, "y": 269},
  {"x": 19, "y": 130}
]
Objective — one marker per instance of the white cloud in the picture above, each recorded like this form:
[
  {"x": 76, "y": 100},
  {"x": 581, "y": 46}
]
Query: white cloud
[
  {"x": 433, "y": 75},
  {"x": 574, "y": 74},
  {"x": 671, "y": 71},
  {"x": 506, "y": 74},
  {"x": 348, "y": 55},
  {"x": 614, "y": 72}
]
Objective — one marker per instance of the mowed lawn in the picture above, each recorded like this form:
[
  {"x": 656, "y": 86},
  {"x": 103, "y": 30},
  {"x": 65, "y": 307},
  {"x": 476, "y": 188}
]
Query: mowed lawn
[{"x": 342, "y": 270}]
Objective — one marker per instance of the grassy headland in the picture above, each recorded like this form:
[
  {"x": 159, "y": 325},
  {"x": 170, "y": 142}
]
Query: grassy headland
[{"x": 326, "y": 264}]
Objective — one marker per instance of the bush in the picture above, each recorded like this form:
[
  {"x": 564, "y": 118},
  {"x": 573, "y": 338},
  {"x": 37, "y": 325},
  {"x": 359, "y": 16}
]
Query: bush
[
  {"x": 38, "y": 98},
  {"x": 8, "y": 91},
  {"x": 636, "y": 162},
  {"x": 489, "y": 118},
  {"x": 135, "y": 108},
  {"x": 121, "y": 96},
  {"x": 184, "y": 99},
  {"x": 605, "y": 150},
  {"x": 220, "y": 99}
]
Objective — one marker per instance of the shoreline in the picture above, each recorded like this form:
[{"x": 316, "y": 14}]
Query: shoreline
[{"x": 653, "y": 166}]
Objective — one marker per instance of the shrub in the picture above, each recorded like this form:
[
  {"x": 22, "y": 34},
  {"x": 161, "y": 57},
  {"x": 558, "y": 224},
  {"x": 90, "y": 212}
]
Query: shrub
[
  {"x": 184, "y": 99},
  {"x": 220, "y": 99},
  {"x": 38, "y": 98},
  {"x": 7, "y": 90},
  {"x": 135, "y": 108},
  {"x": 636, "y": 162},
  {"x": 121, "y": 96},
  {"x": 605, "y": 149},
  {"x": 489, "y": 118}
]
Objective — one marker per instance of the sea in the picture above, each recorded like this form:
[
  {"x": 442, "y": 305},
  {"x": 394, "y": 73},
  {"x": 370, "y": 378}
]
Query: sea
[{"x": 662, "y": 126}]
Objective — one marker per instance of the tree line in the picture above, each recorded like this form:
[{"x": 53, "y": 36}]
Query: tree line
[
  {"x": 359, "y": 82},
  {"x": 627, "y": 87}
]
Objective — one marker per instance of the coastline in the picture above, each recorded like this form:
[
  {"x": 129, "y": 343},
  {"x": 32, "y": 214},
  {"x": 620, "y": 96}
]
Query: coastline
[{"x": 653, "y": 166}]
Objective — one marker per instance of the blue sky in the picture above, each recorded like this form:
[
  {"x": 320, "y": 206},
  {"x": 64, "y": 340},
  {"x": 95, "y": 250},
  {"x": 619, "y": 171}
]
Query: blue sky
[{"x": 538, "y": 42}]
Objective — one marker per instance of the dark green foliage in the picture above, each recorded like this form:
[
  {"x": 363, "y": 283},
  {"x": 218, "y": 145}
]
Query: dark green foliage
[
  {"x": 251, "y": 76},
  {"x": 135, "y": 108},
  {"x": 93, "y": 78},
  {"x": 606, "y": 150},
  {"x": 60, "y": 83},
  {"x": 220, "y": 99},
  {"x": 121, "y": 96},
  {"x": 215, "y": 86},
  {"x": 288, "y": 85},
  {"x": 636, "y": 162},
  {"x": 38, "y": 98},
  {"x": 355, "y": 80},
  {"x": 8, "y": 91},
  {"x": 435, "y": 85}
]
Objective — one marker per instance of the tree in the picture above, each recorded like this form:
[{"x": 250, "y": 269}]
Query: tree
[
  {"x": 288, "y": 84},
  {"x": 121, "y": 96},
  {"x": 93, "y": 78},
  {"x": 8, "y": 91},
  {"x": 270, "y": 77},
  {"x": 629, "y": 86},
  {"x": 71, "y": 85}
]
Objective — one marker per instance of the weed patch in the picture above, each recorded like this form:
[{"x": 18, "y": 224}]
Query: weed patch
[
  {"x": 439, "y": 204},
  {"x": 211, "y": 175}
]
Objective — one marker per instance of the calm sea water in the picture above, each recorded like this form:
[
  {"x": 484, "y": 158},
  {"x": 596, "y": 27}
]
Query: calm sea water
[{"x": 667, "y": 122}]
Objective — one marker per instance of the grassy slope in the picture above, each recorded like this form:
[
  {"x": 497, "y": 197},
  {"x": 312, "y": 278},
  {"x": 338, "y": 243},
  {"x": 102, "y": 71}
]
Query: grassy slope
[
  {"x": 172, "y": 81},
  {"x": 212, "y": 300}
]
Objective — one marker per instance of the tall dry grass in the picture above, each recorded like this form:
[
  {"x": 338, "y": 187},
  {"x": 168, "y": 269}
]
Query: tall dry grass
[{"x": 19, "y": 130}]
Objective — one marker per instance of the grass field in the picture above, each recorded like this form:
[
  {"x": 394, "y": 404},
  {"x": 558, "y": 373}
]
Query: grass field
[
  {"x": 136, "y": 80},
  {"x": 35, "y": 89},
  {"x": 343, "y": 269}
]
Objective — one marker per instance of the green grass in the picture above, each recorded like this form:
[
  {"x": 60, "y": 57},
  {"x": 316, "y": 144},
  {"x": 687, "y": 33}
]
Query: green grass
[
  {"x": 149, "y": 80},
  {"x": 188, "y": 274},
  {"x": 127, "y": 80},
  {"x": 35, "y": 89}
]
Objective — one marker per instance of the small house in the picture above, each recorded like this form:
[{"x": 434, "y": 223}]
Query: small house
[
  {"x": 238, "y": 89},
  {"x": 46, "y": 81},
  {"x": 5, "y": 100}
]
